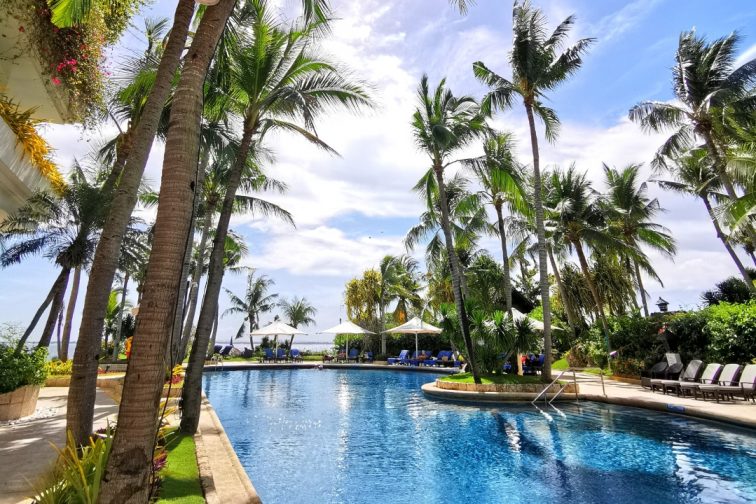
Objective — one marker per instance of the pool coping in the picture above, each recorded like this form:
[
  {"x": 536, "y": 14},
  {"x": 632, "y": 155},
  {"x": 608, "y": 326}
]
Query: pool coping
[
  {"x": 236, "y": 366},
  {"x": 430, "y": 389}
]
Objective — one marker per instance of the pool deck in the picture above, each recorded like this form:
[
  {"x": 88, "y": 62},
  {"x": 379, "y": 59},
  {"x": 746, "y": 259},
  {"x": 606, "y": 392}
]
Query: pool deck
[{"x": 739, "y": 412}]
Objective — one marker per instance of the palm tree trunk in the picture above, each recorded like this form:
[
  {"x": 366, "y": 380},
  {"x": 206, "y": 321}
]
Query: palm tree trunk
[
  {"x": 55, "y": 308},
  {"x": 214, "y": 333},
  {"x": 66, "y": 338},
  {"x": 456, "y": 271},
  {"x": 60, "y": 329},
  {"x": 594, "y": 292},
  {"x": 641, "y": 289},
  {"x": 568, "y": 308},
  {"x": 192, "y": 393},
  {"x": 81, "y": 395},
  {"x": 505, "y": 259},
  {"x": 720, "y": 234},
  {"x": 753, "y": 256},
  {"x": 543, "y": 267},
  {"x": 382, "y": 314},
  {"x": 119, "y": 328},
  {"x": 39, "y": 312},
  {"x": 130, "y": 462}
]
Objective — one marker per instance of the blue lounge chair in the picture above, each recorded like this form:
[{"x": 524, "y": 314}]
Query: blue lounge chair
[
  {"x": 295, "y": 356},
  {"x": 429, "y": 360},
  {"x": 280, "y": 355},
  {"x": 402, "y": 357},
  {"x": 217, "y": 348},
  {"x": 443, "y": 359},
  {"x": 367, "y": 357},
  {"x": 225, "y": 351},
  {"x": 353, "y": 355},
  {"x": 414, "y": 360},
  {"x": 267, "y": 355}
]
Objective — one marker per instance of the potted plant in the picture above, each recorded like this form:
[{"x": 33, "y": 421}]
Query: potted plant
[{"x": 21, "y": 375}]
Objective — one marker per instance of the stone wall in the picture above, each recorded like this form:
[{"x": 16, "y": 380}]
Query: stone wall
[
  {"x": 531, "y": 388},
  {"x": 19, "y": 403}
]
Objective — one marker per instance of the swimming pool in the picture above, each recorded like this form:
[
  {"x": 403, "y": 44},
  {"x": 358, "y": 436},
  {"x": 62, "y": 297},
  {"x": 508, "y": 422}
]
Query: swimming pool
[{"x": 354, "y": 436}]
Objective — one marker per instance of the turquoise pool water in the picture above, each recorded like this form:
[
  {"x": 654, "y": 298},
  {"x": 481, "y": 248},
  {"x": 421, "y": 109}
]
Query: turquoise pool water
[{"x": 351, "y": 436}]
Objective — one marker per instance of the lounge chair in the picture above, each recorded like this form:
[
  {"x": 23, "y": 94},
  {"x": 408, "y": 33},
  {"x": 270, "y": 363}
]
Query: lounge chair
[
  {"x": 414, "y": 360},
  {"x": 217, "y": 348},
  {"x": 402, "y": 357},
  {"x": 280, "y": 355},
  {"x": 267, "y": 355},
  {"x": 247, "y": 353},
  {"x": 657, "y": 371},
  {"x": 225, "y": 351},
  {"x": 538, "y": 366},
  {"x": 445, "y": 358},
  {"x": 353, "y": 355},
  {"x": 295, "y": 356},
  {"x": 727, "y": 378},
  {"x": 746, "y": 387},
  {"x": 367, "y": 357},
  {"x": 691, "y": 374},
  {"x": 709, "y": 377}
]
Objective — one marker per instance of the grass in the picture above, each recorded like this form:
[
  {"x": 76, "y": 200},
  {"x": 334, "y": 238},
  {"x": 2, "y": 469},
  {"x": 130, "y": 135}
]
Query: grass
[
  {"x": 181, "y": 483},
  {"x": 561, "y": 365},
  {"x": 505, "y": 379}
]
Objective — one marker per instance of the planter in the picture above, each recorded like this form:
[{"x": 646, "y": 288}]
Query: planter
[
  {"x": 19, "y": 403},
  {"x": 58, "y": 381},
  {"x": 529, "y": 388},
  {"x": 174, "y": 391}
]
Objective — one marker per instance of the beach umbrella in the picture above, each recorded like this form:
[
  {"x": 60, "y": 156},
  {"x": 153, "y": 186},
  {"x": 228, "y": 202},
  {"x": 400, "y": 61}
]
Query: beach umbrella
[
  {"x": 415, "y": 326},
  {"x": 347, "y": 328},
  {"x": 536, "y": 324},
  {"x": 276, "y": 328}
]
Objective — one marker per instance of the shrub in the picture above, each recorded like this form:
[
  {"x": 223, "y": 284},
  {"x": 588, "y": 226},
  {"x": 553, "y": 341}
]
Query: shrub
[
  {"x": 628, "y": 367},
  {"x": 23, "y": 368},
  {"x": 731, "y": 329},
  {"x": 57, "y": 368}
]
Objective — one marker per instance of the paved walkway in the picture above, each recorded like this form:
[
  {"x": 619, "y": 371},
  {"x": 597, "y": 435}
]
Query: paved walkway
[
  {"x": 26, "y": 452},
  {"x": 738, "y": 412}
]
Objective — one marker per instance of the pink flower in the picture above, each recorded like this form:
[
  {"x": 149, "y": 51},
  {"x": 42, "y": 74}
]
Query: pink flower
[
  {"x": 21, "y": 29},
  {"x": 56, "y": 81}
]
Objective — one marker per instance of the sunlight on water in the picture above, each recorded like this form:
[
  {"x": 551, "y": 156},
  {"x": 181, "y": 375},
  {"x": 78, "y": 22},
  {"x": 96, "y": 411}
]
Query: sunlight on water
[{"x": 340, "y": 436}]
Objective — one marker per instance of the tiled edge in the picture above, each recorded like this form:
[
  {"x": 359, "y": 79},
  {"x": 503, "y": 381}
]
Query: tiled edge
[{"x": 246, "y": 493}]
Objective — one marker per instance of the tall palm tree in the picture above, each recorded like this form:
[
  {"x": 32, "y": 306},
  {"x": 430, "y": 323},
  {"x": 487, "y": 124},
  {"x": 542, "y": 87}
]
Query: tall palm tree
[
  {"x": 298, "y": 312},
  {"x": 539, "y": 64},
  {"x": 713, "y": 99},
  {"x": 694, "y": 174},
  {"x": 577, "y": 219},
  {"x": 442, "y": 125},
  {"x": 273, "y": 77},
  {"x": 255, "y": 302},
  {"x": 63, "y": 228},
  {"x": 630, "y": 213},
  {"x": 498, "y": 173}
]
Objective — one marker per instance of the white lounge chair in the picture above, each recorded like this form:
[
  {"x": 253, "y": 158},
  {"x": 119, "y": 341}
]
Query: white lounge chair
[
  {"x": 746, "y": 387},
  {"x": 709, "y": 376},
  {"x": 727, "y": 378}
]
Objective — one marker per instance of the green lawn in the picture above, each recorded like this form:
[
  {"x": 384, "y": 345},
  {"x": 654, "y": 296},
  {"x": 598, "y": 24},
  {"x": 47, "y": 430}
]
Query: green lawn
[
  {"x": 506, "y": 379},
  {"x": 561, "y": 365},
  {"x": 181, "y": 483}
]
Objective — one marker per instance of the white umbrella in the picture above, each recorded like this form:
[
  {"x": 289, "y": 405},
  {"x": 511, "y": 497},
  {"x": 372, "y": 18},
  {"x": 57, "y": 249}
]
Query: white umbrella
[
  {"x": 347, "y": 328},
  {"x": 276, "y": 328},
  {"x": 415, "y": 326}
]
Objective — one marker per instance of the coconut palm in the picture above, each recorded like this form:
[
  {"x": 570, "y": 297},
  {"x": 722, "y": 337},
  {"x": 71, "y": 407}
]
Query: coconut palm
[
  {"x": 577, "y": 219},
  {"x": 539, "y": 64},
  {"x": 255, "y": 302},
  {"x": 274, "y": 77},
  {"x": 442, "y": 125},
  {"x": 298, "y": 312},
  {"x": 694, "y": 174},
  {"x": 712, "y": 99},
  {"x": 630, "y": 213},
  {"x": 498, "y": 173},
  {"x": 63, "y": 228}
]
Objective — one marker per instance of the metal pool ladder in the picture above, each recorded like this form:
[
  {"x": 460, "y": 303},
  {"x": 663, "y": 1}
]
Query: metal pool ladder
[{"x": 543, "y": 392}]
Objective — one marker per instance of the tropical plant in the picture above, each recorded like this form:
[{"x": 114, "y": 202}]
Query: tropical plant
[
  {"x": 539, "y": 63},
  {"x": 713, "y": 100},
  {"x": 730, "y": 290},
  {"x": 255, "y": 302},
  {"x": 18, "y": 369},
  {"x": 442, "y": 125},
  {"x": 630, "y": 212},
  {"x": 298, "y": 312}
]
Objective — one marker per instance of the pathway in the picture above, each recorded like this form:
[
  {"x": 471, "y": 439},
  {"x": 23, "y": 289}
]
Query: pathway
[{"x": 26, "y": 452}]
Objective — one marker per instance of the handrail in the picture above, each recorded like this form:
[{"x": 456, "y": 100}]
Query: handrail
[
  {"x": 545, "y": 390},
  {"x": 561, "y": 389},
  {"x": 572, "y": 370}
]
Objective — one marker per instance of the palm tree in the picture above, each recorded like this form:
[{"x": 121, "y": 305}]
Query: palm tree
[
  {"x": 713, "y": 99},
  {"x": 63, "y": 228},
  {"x": 298, "y": 312},
  {"x": 578, "y": 220},
  {"x": 443, "y": 124},
  {"x": 498, "y": 173},
  {"x": 538, "y": 64},
  {"x": 397, "y": 283},
  {"x": 630, "y": 213},
  {"x": 273, "y": 77},
  {"x": 255, "y": 302},
  {"x": 694, "y": 174}
]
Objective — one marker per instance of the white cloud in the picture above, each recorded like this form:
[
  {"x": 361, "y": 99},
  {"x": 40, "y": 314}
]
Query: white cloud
[{"x": 745, "y": 56}]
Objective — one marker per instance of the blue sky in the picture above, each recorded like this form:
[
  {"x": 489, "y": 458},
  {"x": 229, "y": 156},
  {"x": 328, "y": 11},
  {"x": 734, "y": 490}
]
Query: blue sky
[{"x": 352, "y": 210}]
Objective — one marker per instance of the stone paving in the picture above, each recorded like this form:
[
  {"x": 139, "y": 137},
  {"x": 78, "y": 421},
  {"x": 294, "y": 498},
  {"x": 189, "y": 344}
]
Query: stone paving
[{"x": 26, "y": 450}]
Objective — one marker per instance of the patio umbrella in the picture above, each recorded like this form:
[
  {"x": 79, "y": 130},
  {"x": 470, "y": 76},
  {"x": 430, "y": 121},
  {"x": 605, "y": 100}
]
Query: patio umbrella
[
  {"x": 415, "y": 326},
  {"x": 536, "y": 324},
  {"x": 276, "y": 328},
  {"x": 347, "y": 328}
]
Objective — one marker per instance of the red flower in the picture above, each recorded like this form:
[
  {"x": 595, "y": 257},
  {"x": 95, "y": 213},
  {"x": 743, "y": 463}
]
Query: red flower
[
  {"x": 56, "y": 81},
  {"x": 21, "y": 29}
]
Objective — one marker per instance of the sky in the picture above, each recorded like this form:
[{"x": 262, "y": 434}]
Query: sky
[{"x": 350, "y": 210}]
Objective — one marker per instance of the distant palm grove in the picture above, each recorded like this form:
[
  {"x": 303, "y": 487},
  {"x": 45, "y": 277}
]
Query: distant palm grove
[{"x": 573, "y": 253}]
